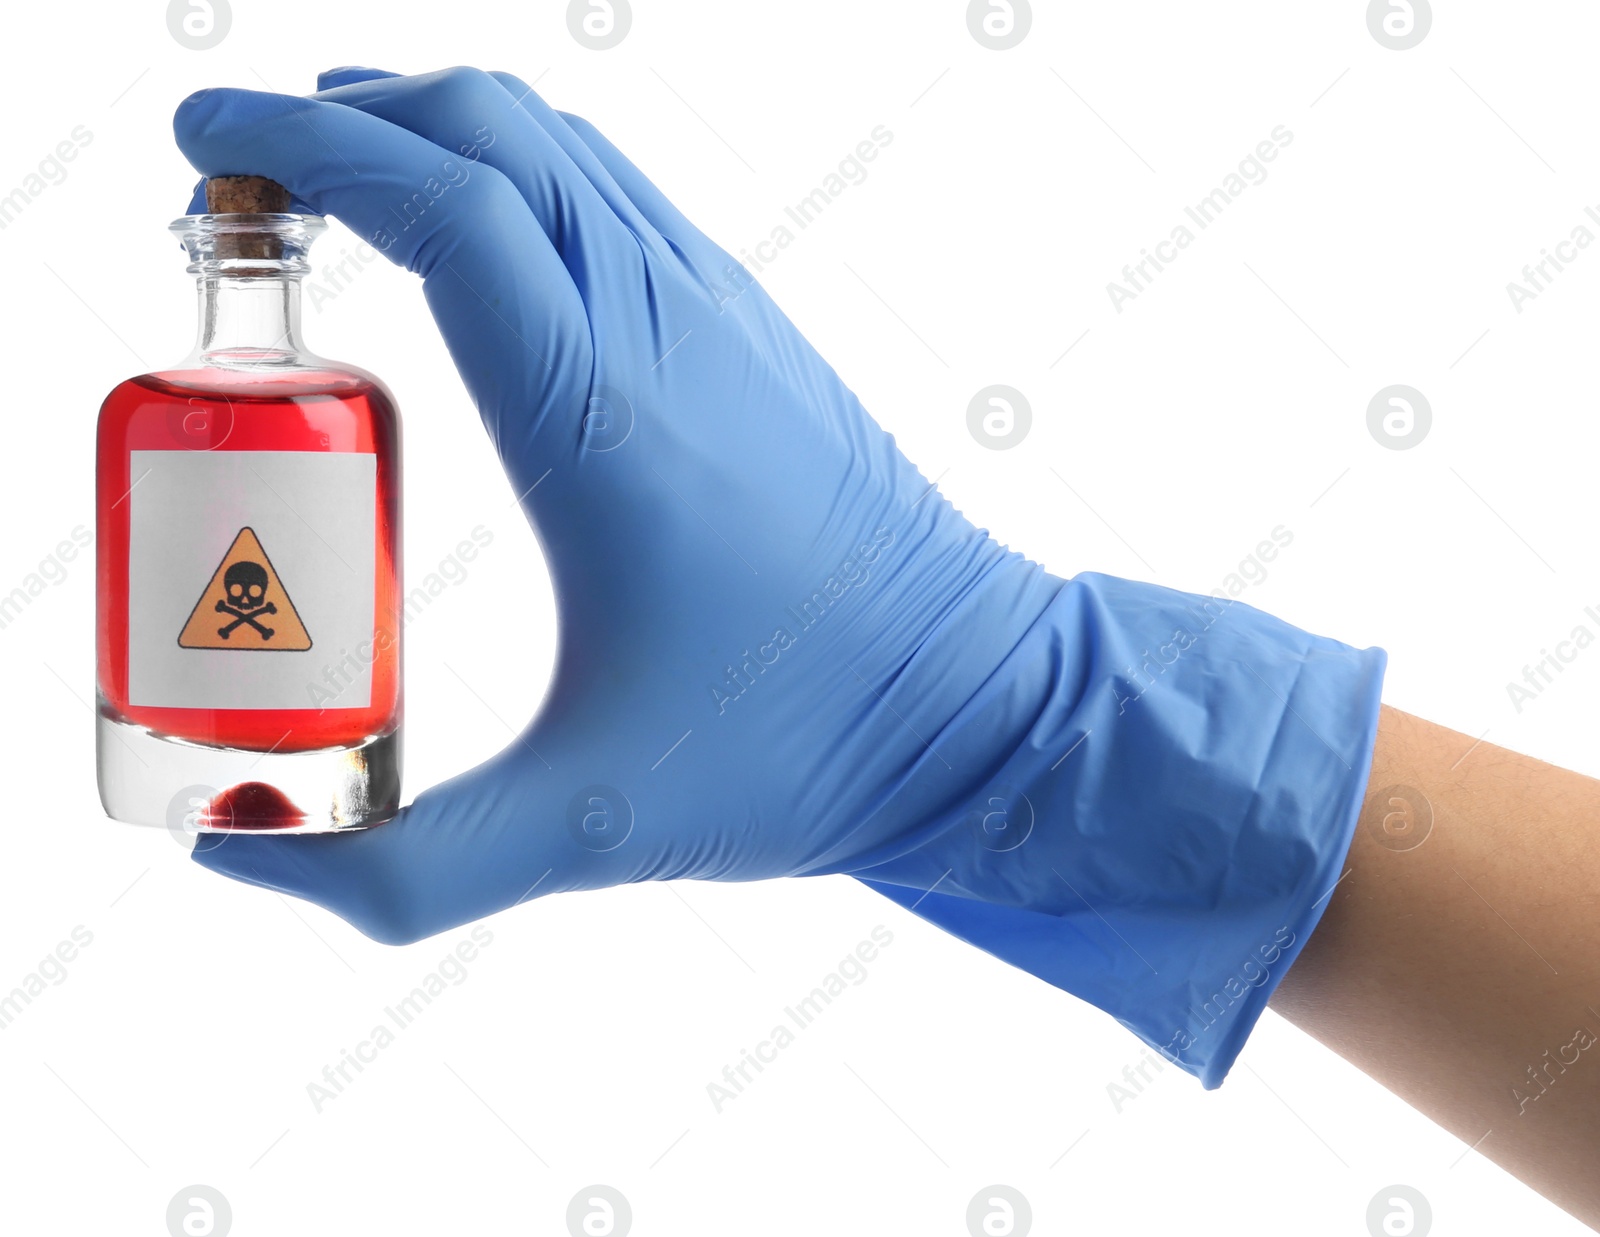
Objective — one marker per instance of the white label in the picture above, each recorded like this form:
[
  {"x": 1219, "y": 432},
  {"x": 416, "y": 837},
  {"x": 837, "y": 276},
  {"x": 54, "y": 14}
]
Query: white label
[{"x": 249, "y": 574}]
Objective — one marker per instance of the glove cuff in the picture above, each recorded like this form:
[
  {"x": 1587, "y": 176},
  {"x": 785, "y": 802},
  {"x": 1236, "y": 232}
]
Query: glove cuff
[{"x": 1147, "y": 805}]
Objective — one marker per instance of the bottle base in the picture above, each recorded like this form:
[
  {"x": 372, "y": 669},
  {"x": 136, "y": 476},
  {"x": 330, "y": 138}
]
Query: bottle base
[{"x": 188, "y": 788}]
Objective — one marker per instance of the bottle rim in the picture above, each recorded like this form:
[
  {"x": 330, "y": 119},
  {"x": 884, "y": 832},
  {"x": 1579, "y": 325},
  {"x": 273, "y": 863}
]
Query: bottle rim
[
  {"x": 277, "y": 244},
  {"x": 246, "y": 223}
]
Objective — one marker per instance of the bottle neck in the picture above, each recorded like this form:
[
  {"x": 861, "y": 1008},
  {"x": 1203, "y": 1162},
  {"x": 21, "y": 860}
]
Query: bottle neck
[
  {"x": 250, "y": 320},
  {"x": 248, "y": 270}
]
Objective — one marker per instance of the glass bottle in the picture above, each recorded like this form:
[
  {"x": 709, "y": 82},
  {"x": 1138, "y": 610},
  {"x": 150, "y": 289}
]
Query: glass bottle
[{"x": 248, "y": 514}]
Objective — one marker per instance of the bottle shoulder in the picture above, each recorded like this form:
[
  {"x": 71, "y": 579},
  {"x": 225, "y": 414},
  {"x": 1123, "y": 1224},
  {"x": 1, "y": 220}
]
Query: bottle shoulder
[
  {"x": 331, "y": 380},
  {"x": 263, "y": 382},
  {"x": 332, "y": 407}
]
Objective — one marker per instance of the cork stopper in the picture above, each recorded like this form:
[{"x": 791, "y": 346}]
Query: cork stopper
[{"x": 246, "y": 195}]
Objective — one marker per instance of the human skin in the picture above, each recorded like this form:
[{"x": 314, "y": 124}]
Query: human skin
[{"x": 1459, "y": 966}]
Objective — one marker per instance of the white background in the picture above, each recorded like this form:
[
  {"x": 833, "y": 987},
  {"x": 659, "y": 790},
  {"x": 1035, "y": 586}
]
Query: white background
[{"x": 1223, "y": 402}]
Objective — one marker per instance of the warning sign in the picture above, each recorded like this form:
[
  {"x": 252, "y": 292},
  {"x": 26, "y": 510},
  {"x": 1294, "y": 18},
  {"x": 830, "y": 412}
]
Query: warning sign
[{"x": 245, "y": 605}]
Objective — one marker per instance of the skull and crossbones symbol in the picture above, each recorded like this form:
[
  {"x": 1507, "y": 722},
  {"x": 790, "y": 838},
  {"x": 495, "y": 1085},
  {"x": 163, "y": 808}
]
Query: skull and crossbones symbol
[{"x": 246, "y": 585}]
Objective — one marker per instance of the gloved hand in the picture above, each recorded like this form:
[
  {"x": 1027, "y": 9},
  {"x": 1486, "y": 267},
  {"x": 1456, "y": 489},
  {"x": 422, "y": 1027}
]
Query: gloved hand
[{"x": 782, "y": 652}]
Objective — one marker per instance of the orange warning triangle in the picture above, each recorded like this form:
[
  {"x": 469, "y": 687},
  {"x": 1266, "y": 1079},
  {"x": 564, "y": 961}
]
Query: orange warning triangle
[{"x": 245, "y": 606}]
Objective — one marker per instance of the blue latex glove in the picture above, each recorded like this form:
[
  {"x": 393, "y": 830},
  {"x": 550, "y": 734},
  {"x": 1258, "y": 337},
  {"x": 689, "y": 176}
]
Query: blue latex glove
[{"x": 781, "y": 652}]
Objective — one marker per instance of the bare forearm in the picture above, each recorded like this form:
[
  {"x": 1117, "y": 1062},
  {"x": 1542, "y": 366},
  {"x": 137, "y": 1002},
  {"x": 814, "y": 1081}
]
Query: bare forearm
[{"x": 1461, "y": 968}]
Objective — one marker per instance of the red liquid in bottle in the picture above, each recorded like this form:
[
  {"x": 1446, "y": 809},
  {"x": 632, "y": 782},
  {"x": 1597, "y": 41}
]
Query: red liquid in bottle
[{"x": 232, "y": 411}]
